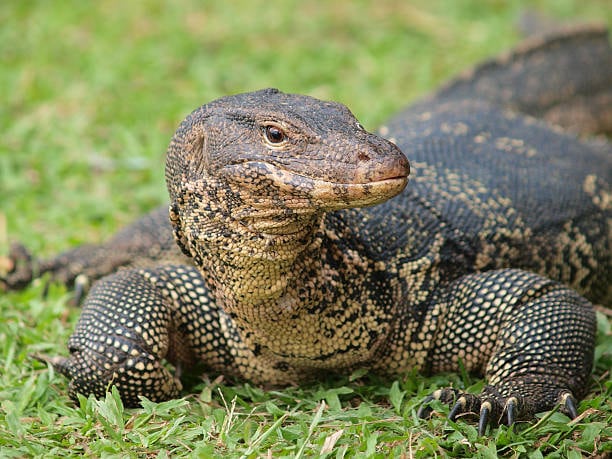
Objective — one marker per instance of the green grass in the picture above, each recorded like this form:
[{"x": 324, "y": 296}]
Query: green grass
[{"x": 90, "y": 94}]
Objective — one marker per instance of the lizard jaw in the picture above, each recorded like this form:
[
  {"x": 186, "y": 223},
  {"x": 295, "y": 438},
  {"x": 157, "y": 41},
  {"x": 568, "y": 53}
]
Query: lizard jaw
[
  {"x": 283, "y": 188},
  {"x": 335, "y": 196}
]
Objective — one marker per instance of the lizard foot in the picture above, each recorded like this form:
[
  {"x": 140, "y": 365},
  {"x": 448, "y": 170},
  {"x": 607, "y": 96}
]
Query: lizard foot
[
  {"x": 16, "y": 269},
  {"x": 19, "y": 268},
  {"x": 133, "y": 375},
  {"x": 493, "y": 408}
]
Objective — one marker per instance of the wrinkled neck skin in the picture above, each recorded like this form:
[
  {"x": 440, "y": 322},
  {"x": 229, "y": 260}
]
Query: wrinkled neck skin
[
  {"x": 266, "y": 269},
  {"x": 258, "y": 270}
]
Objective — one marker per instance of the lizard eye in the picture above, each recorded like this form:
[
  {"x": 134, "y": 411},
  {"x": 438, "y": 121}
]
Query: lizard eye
[{"x": 274, "y": 135}]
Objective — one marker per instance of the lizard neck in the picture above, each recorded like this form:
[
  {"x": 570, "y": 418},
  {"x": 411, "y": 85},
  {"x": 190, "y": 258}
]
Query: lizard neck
[
  {"x": 249, "y": 248},
  {"x": 273, "y": 288},
  {"x": 285, "y": 279},
  {"x": 248, "y": 269}
]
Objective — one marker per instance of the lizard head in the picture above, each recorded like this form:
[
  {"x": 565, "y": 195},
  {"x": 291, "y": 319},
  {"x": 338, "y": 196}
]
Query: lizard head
[{"x": 271, "y": 161}]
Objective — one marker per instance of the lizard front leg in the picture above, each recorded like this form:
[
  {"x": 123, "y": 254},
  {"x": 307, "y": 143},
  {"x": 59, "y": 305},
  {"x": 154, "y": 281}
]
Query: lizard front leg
[
  {"x": 136, "y": 321},
  {"x": 128, "y": 327},
  {"x": 532, "y": 338}
]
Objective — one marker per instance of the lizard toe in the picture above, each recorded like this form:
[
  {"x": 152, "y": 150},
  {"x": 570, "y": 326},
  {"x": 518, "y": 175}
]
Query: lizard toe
[
  {"x": 511, "y": 410},
  {"x": 568, "y": 405},
  {"x": 447, "y": 395},
  {"x": 425, "y": 410},
  {"x": 81, "y": 287},
  {"x": 485, "y": 415},
  {"x": 465, "y": 404}
]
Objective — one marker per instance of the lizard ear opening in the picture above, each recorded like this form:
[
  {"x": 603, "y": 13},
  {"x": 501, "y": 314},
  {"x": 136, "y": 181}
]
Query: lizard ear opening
[
  {"x": 201, "y": 154},
  {"x": 208, "y": 152}
]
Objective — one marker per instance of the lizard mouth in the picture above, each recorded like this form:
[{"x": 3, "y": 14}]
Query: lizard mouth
[
  {"x": 321, "y": 192},
  {"x": 333, "y": 196}
]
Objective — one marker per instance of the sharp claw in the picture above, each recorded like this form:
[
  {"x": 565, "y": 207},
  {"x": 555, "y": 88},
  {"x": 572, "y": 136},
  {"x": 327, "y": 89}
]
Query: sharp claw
[
  {"x": 424, "y": 409},
  {"x": 570, "y": 405},
  {"x": 510, "y": 409},
  {"x": 485, "y": 410},
  {"x": 458, "y": 408}
]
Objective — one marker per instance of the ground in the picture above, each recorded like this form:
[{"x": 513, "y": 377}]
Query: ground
[{"x": 91, "y": 93}]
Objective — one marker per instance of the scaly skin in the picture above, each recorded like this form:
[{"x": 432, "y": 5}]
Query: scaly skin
[{"x": 311, "y": 256}]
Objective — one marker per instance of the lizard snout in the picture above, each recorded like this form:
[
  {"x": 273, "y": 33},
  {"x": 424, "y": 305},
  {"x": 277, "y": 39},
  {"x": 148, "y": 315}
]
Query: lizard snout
[{"x": 382, "y": 162}]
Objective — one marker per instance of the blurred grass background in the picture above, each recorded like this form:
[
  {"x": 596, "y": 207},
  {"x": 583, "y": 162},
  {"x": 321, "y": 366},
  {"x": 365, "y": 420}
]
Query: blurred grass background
[
  {"x": 90, "y": 94},
  {"x": 92, "y": 91}
]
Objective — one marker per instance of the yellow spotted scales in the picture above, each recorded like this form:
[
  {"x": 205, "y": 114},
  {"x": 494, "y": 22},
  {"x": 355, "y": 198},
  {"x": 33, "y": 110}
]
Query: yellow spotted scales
[{"x": 306, "y": 253}]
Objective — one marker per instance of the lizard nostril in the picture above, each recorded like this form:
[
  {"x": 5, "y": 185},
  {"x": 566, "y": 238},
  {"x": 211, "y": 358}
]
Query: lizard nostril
[{"x": 362, "y": 156}]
